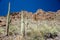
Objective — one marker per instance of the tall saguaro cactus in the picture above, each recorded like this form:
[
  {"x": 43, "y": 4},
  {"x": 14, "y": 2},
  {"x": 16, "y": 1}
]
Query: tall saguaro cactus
[
  {"x": 8, "y": 19},
  {"x": 22, "y": 25}
]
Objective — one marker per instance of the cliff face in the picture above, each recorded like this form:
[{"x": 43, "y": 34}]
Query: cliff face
[{"x": 38, "y": 16}]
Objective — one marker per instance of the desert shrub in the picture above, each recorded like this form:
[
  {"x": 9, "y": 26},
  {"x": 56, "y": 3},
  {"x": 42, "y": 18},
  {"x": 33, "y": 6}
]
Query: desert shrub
[
  {"x": 42, "y": 31},
  {"x": 1, "y": 30},
  {"x": 13, "y": 29},
  {"x": 34, "y": 35},
  {"x": 46, "y": 30}
]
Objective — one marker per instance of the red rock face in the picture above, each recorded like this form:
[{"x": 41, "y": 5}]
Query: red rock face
[{"x": 39, "y": 15}]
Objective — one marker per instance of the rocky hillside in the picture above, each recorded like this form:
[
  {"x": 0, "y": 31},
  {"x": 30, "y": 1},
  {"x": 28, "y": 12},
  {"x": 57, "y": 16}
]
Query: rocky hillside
[
  {"x": 38, "y": 24},
  {"x": 37, "y": 16}
]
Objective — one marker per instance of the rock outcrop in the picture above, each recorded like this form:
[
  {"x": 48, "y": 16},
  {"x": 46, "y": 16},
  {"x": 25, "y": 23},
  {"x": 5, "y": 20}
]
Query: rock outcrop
[{"x": 39, "y": 15}]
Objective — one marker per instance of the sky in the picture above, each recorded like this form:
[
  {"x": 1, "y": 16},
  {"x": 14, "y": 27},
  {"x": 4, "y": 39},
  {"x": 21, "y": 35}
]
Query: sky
[{"x": 28, "y": 5}]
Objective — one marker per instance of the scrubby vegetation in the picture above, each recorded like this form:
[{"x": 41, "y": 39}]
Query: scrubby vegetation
[
  {"x": 14, "y": 30},
  {"x": 42, "y": 32},
  {"x": 1, "y": 30}
]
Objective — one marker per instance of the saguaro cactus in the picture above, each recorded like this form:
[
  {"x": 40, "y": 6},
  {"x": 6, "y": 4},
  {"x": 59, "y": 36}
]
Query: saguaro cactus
[
  {"x": 22, "y": 25},
  {"x": 8, "y": 19}
]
